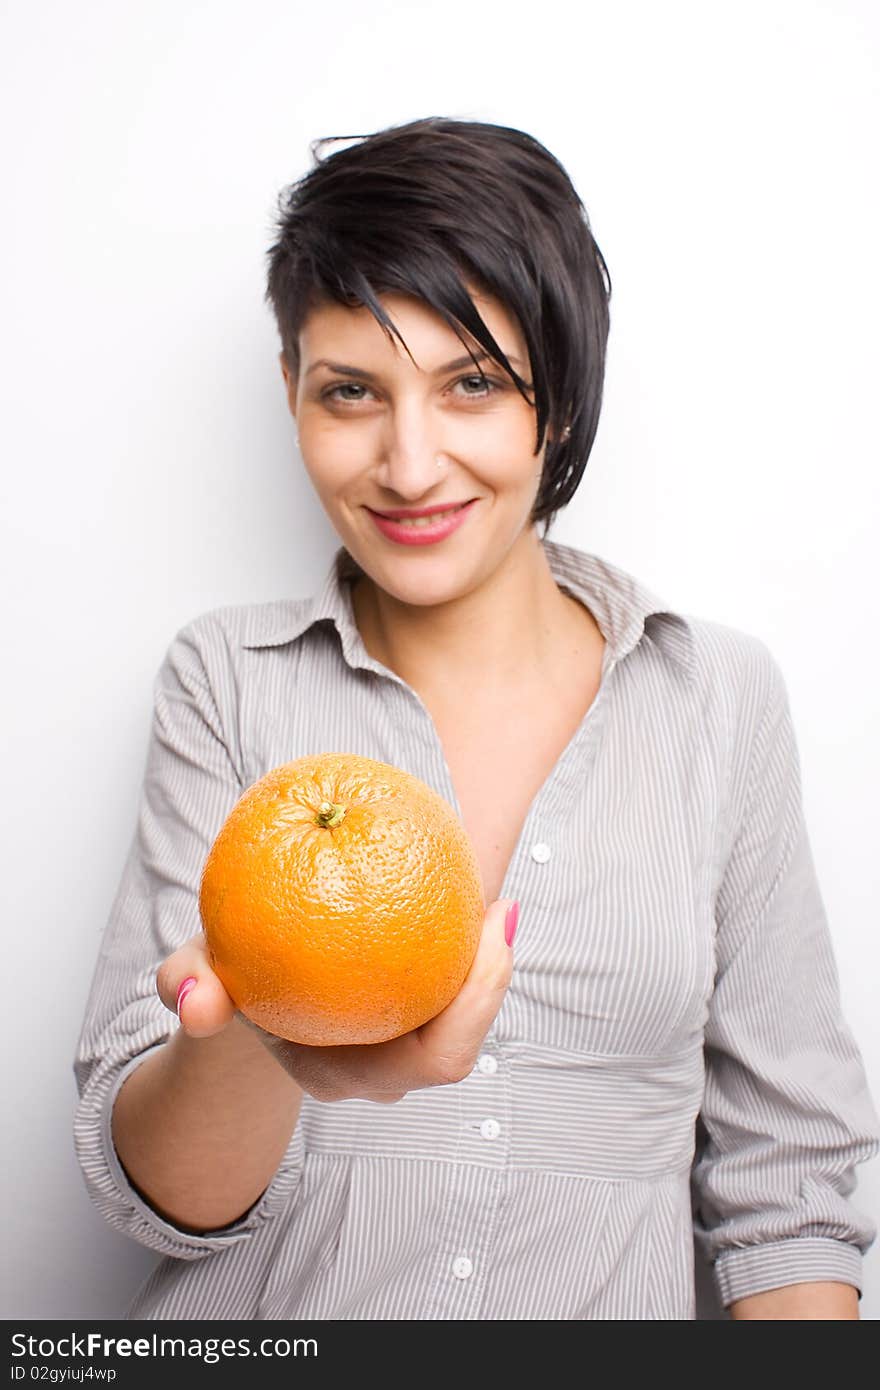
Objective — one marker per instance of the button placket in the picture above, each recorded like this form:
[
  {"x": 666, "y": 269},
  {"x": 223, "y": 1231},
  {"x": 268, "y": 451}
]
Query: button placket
[{"x": 484, "y": 1142}]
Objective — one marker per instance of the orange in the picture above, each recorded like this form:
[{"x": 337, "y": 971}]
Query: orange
[{"x": 341, "y": 901}]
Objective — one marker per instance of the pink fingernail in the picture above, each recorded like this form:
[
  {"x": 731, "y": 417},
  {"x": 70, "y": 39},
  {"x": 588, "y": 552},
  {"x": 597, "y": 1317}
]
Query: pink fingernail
[
  {"x": 510, "y": 922},
  {"x": 188, "y": 984}
]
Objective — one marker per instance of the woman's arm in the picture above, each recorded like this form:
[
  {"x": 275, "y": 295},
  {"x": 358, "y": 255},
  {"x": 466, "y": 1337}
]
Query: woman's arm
[
  {"x": 786, "y": 1106},
  {"x": 826, "y": 1302},
  {"x": 202, "y": 1125}
]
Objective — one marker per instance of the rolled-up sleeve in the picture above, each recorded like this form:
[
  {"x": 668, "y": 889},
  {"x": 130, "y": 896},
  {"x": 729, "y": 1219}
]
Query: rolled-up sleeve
[
  {"x": 192, "y": 780},
  {"x": 787, "y": 1113}
]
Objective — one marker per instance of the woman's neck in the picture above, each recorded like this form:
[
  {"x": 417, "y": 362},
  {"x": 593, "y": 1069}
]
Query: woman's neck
[{"x": 509, "y": 631}]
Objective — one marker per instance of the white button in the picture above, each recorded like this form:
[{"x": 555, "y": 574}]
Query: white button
[
  {"x": 490, "y": 1129},
  {"x": 540, "y": 853},
  {"x": 462, "y": 1267},
  {"x": 487, "y": 1064}
]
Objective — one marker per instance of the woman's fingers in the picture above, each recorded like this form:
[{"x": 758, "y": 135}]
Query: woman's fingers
[{"x": 205, "y": 1007}]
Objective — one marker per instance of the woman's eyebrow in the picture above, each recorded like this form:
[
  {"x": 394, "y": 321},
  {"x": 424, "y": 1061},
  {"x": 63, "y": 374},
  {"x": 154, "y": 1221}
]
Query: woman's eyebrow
[{"x": 348, "y": 370}]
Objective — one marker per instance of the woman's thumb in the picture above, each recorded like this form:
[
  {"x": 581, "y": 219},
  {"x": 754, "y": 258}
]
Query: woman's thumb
[
  {"x": 492, "y": 965},
  {"x": 187, "y": 986}
]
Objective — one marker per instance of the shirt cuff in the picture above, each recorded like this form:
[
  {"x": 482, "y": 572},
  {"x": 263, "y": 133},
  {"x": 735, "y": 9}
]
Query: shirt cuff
[
  {"x": 752, "y": 1269},
  {"x": 131, "y": 1214}
]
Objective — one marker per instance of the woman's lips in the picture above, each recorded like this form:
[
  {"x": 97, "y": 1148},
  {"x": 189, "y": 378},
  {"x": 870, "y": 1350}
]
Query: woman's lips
[{"x": 422, "y": 534}]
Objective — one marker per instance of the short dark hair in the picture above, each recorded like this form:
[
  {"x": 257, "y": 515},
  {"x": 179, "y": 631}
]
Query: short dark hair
[{"x": 423, "y": 208}]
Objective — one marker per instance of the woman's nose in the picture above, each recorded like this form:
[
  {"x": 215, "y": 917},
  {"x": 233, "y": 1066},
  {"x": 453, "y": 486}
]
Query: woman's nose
[{"x": 411, "y": 459}]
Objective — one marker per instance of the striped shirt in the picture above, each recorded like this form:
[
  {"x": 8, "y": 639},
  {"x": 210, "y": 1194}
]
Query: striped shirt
[{"x": 670, "y": 1064}]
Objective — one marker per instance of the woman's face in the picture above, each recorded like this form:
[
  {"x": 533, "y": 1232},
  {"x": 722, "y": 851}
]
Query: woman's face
[{"x": 373, "y": 423}]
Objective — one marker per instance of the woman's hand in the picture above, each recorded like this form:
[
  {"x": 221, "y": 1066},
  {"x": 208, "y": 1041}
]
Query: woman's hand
[{"x": 442, "y": 1051}]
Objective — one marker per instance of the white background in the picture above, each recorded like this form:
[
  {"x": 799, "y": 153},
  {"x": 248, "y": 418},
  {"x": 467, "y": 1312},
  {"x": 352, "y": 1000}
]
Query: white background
[{"x": 727, "y": 157}]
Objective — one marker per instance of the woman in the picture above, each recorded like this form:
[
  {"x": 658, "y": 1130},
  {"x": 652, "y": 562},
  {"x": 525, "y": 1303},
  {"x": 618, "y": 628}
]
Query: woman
[{"x": 667, "y": 1058}]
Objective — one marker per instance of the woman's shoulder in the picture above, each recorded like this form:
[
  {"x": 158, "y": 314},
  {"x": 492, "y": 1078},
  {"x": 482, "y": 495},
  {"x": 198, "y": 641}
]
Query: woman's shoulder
[
  {"x": 731, "y": 655},
  {"x": 739, "y": 686},
  {"x": 207, "y": 657},
  {"x": 238, "y": 627},
  {"x": 244, "y": 625},
  {"x": 627, "y": 607}
]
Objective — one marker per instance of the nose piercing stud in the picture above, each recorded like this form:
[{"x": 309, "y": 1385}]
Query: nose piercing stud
[{"x": 439, "y": 460}]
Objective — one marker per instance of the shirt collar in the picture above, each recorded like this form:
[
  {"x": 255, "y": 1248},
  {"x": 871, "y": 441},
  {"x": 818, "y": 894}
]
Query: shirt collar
[{"x": 624, "y": 609}]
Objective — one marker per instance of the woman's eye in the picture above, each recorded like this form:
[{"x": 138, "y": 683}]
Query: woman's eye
[
  {"x": 477, "y": 385},
  {"x": 345, "y": 387}
]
